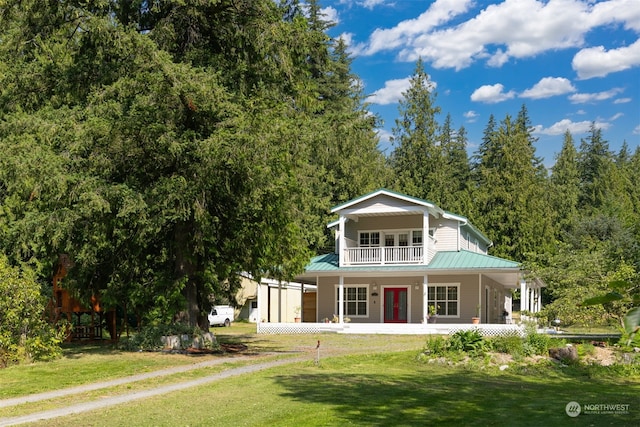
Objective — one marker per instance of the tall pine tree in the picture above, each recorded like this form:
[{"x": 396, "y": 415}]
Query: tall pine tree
[{"x": 417, "y": 156}]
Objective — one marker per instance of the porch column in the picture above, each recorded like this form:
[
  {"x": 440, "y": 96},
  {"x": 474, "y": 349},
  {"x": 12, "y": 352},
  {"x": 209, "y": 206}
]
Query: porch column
[
  {"x": 524, "y": 296},
  {"x": 341, "y": 242},
  {"x": 425, "y": 238},
  {"x": 258, "y": 305},
  {"x": 479, "y": 304},
  {"x": 301, "y": 301},
  {"x": 279, "y": 301},
  {"x": 425, "y": 298},
  {"x": 341, "y": 300}
]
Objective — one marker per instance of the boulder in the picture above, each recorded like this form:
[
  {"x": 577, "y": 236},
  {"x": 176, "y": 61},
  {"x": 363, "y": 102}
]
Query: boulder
[{"x": 564, "y": 354}]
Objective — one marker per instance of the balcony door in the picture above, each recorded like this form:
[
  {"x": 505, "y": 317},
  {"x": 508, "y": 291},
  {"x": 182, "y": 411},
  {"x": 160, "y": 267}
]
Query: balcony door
[{"x": 395, "y": 305}]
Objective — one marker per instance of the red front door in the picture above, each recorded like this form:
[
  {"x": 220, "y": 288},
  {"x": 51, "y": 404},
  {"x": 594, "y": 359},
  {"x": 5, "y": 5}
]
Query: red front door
[{"x": 395, "y": 305}]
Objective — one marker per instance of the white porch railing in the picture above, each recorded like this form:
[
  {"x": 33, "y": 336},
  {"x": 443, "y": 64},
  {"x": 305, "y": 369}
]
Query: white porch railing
[{"x": 385, "y": 255}]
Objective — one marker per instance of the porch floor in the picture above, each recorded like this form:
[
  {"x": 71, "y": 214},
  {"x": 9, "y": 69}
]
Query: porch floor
[{"x": 388, "y": 328}]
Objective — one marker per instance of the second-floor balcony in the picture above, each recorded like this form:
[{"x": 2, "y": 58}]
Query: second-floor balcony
[{"x": 387, "y": 255}]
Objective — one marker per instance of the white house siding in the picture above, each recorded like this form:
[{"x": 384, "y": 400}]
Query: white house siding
[
  {"x": 446, "y": 234},
  {"x": 380, "y": 202}
]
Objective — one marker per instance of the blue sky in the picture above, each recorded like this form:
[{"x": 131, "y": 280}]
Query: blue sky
[{"x": 572, "y": 62}]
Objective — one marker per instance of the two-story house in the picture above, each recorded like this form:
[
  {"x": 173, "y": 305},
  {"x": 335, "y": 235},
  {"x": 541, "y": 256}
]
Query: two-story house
[{"x": 396, "y": 255}]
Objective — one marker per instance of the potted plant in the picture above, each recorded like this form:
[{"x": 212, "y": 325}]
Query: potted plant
[
  {"x": 432, "y": 313},
  {"x": 297, "y": 316},
  {"x": 475, "y": 320}
]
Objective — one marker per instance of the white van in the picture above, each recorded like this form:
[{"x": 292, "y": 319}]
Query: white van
[{"x": 221, "y": 315}]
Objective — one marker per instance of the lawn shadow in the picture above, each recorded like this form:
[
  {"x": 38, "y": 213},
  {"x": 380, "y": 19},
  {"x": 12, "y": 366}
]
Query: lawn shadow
[
  {"x": 76, "y": 350},
  {"x": 444, "y": 395}
]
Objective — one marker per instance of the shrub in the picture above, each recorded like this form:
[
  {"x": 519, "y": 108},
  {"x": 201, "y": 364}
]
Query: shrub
[
  {"x": 469, "y": 341},
  {"x": 436, "y": 346},
  {"x": 24, "y": 333},
  {"x": 535, "y": 343},
  {"x": 509, "y": 344}
]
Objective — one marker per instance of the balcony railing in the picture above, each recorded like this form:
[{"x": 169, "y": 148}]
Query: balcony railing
[{"x": 384, "y": 255}]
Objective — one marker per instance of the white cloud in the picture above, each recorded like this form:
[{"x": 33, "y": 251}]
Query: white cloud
[
  {"x": 491, "y": 94},
  {"x": 440, "y": 12},
  {"x": 622, "y": 100},
  {"x": 354, "y": 49},
  {"x": 616, "y": 117},
  {"x": 370, "y": 4},
  {"x": 509, "y": 29},
  {"x": 391, "y": 92},
  {"x": 548, "y": 87},
  {"x": 330, "y": 14},
  {"x": 559, "y": 128},
  {"x": 598, "y": 62},
  {"x": 636, "y": 131},
  {"x": 498, "y": 59},
  {"x": 471, "y": 116},
  {"x": 584, "y": 98},
  {"x": 384, "y": 137}
]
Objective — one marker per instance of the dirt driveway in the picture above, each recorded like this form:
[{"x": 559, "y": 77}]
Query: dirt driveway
[{"x": 129, "y": 397}]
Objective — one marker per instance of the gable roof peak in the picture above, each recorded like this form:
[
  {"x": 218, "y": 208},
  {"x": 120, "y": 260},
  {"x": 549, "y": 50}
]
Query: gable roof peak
[{"x": 390, "y": 193}]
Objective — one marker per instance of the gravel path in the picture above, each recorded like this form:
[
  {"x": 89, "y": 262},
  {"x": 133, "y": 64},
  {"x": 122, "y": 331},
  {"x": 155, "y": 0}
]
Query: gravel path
[{"x": 129, "y": 397}]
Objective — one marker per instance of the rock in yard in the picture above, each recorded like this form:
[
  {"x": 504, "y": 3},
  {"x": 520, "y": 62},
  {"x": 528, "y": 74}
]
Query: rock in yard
[{"x": 564, "y": 354}]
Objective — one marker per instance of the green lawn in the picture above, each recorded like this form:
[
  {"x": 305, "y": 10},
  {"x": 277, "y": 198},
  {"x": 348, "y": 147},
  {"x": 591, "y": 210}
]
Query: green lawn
[
  {"x": 392, "y": 389},
  {"x": 380, "y": 382}
]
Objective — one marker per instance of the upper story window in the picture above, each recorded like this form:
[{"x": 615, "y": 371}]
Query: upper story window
[
  {"x": 416, "y": 237},
  {"x": 369, "y": 238},
  {"x": 392, "y": 238}
]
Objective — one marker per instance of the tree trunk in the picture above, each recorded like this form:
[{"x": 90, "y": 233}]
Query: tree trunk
[{"x": 185, "y": 269}]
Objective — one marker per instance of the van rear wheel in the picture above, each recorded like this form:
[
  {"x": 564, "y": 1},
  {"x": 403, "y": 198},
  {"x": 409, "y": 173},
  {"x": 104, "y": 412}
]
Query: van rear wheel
[{"x": 227, "y": 322}]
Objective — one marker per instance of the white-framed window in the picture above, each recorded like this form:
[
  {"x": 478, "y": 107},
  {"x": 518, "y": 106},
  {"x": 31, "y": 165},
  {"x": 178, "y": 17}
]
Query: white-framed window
[
  {"x": 355, "y": 300},
  {"x": 446, "y": 298},
  {"x": 369, "y": 238},
  {"x": 416, "y": 237},
  {"x": 389, "y": 239}
]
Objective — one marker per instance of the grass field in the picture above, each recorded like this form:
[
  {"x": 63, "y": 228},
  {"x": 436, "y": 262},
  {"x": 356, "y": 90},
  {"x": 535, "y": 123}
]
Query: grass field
[{"x": 360, "y": 380}]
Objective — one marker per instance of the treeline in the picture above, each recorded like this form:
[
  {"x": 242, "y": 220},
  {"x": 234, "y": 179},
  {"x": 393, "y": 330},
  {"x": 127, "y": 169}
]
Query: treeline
[
  {"x": 576, "y": 226},
  {"x": 166, "y": 146}
]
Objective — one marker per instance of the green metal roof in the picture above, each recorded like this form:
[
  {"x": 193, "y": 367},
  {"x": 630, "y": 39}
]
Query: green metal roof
[
  {"x": 466, "y": 260},
  {"x": 447, "y": 260}
]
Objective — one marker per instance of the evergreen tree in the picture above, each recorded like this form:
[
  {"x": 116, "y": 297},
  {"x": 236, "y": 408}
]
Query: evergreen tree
[
  {"x": 595, "y": 163},
  {"x": 511, "y": 193},
  {"x": 162, "y": 175},
  {"x": 454, "y": 170},
  {"x": 565, "y": 186},
  {"x": 417, "y": 156}
]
